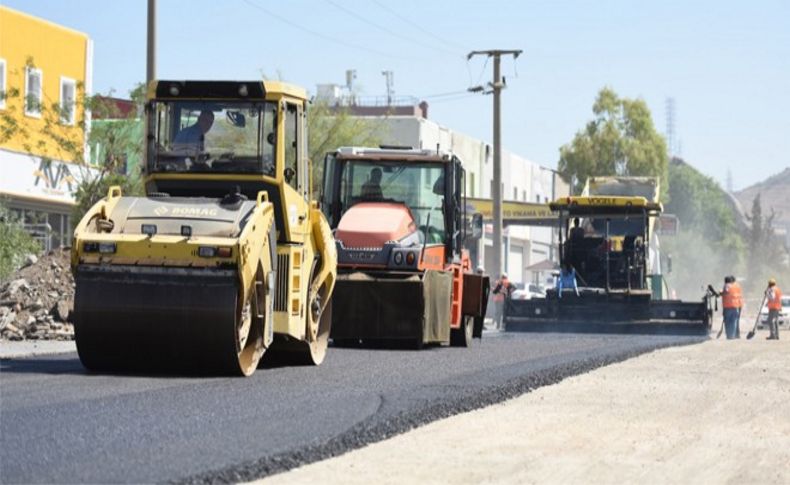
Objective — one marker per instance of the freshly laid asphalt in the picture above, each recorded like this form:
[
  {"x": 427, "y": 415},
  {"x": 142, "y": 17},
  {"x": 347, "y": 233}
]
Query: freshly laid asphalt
[{"x": 60, "y": 424}]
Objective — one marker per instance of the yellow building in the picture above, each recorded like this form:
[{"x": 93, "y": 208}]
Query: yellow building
[{"x": 45, "y": 69}]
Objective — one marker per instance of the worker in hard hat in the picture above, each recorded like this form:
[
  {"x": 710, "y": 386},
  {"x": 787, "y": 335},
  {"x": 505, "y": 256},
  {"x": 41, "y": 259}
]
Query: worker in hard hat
[
  {"x": 731, "y": 301},
  {"x": 773, "y": 298},
  {"x": 502, "y": 291}
]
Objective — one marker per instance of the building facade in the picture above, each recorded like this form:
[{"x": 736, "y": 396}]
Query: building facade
[{"x": 45, "y": 70}]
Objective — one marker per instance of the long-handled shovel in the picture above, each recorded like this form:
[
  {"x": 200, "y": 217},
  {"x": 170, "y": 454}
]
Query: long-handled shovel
[
  {"x": 759, "y": 309},
  {"x": 715, "y": 295},
  {"x": 721, "y": 329}
]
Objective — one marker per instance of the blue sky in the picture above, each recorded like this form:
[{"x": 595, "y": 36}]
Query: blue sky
[{"x": 726, "y": 64}]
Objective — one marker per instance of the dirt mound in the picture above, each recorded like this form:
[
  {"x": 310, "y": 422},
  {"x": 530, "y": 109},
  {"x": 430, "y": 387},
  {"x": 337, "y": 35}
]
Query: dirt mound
[{"x": 37, "y": 301}]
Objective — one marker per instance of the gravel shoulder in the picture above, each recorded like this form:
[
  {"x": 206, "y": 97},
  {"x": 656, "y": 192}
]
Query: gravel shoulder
[{"x": 709, "y": 413}]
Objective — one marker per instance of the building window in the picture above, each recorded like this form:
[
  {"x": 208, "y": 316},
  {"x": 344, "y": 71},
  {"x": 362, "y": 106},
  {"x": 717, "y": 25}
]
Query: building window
[
  {"x": 471, "y": 184},
  {"x": 524, "y": 195},
  {"x": 537, "y": 198},
  {"x": 515, "y": 193},
  {"x": 2, "y": 83},
  {"x": 68, "y": 94},
  {"x": 33, "y": 82}
]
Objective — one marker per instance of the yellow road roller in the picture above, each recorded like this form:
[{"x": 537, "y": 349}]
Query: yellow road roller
[{"x": 226, "y": 261}]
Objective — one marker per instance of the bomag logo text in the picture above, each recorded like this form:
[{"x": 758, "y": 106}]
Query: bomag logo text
[{"x": 193, "y": 212}]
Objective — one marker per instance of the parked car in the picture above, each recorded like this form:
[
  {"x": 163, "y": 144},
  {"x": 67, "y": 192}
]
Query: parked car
[
  {"x": 528, "y": 292},
  {"x": 784, "y": 313}
]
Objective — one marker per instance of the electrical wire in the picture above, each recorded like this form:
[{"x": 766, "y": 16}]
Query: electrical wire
[
  {"x": 388, "y": 30},
  {"x": 319, "y": 34},
  {"x": 455, "y": 98},
  {"x": 419, "y": 27},
  {"x": 442, "y": 95},
  {"x": 482, "y": 71},
  {"x": 515, "y": 67}
]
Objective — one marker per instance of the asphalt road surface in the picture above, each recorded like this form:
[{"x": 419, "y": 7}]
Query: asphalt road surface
[{"x": 61, "y": 424}]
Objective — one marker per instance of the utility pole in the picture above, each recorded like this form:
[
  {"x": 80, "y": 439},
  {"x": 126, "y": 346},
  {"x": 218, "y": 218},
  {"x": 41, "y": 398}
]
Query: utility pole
[
  {"x": 496, "y": 87},
  {"x": 150, "y": 72}
]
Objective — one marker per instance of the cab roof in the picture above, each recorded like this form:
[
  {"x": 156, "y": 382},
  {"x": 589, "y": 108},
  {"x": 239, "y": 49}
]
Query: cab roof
[
  {"x": 202, "y": 89},
  {"x": 393, "y": 153}
]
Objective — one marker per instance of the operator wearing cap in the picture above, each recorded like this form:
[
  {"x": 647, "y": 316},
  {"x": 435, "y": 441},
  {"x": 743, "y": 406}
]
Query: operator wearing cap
[{"x": 773, "y": 297}]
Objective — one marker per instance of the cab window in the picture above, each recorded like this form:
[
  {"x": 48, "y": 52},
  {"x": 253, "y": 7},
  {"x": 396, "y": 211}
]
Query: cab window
[{"x": 291, "y": 168}]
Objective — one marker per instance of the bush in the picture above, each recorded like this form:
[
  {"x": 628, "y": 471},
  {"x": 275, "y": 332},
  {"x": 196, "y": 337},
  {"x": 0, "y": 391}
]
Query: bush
[{"x": 15, "y": 243}]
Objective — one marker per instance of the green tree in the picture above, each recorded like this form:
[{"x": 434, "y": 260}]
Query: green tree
[
  {"x": 709, "y": 244},
  {"x": 62, "y": 141},
  {"x": 620, "y": 140},
  {"x": 331, "y": 127},
  {"x": 15, "y": 243},
  {"x": 116, "y": 139}
]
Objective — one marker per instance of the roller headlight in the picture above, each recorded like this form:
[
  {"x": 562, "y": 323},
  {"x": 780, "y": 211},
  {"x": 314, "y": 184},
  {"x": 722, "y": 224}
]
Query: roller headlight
[
  {"x": 207, "y": 251},
  {"x": 107, "y": 248}
]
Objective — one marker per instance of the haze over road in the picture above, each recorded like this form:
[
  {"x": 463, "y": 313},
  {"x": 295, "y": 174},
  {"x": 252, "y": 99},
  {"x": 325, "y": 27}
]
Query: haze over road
[{"x": 60, "y": 424}]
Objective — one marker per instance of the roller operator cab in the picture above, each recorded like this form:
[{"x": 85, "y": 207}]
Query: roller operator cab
[
  {"x": 400, "y": 224},
  {"x": 605, "y": 241},
  {"x": 226, "y": 260}
]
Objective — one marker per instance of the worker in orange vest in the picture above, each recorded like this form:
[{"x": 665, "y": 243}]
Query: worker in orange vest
[
  {"x": 773, "y": 297},
  {"x": 740, "y": 306},
  {"x": 502, "y": 290},
  {"x": 732, "y": 301}
]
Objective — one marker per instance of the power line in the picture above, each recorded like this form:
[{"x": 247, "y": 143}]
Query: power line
[
  {"x": 441, "y": 95},
  {"x": 319, "y": 34},
  {"x": 454, "y": 98},
  {"x": 479, "y": 77},
  {"x": 420, "y": 28},
  {"x": 386, "y": 29}
]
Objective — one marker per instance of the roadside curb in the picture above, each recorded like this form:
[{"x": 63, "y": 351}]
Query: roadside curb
[{"x": 30, "y": 348}]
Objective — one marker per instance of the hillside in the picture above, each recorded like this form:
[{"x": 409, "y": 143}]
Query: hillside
[{"x": 774, "y": 193}]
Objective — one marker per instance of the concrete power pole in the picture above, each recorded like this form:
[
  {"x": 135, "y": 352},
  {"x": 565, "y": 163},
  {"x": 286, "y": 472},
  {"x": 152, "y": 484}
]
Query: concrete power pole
[
  {"x": 150, "y": 72},
  {"x": 496, "y": 87}
]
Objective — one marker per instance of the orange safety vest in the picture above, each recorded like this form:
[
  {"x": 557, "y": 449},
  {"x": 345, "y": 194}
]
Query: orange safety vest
[
  {"x": 502, "y": 290},
  {"x": 775, "y": 303},
  {"x": 738, "y": 294},
  {"x": 732, "y": 297}
]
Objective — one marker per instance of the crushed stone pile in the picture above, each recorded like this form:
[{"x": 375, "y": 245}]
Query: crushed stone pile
[{"x": 37, "y": 301}]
